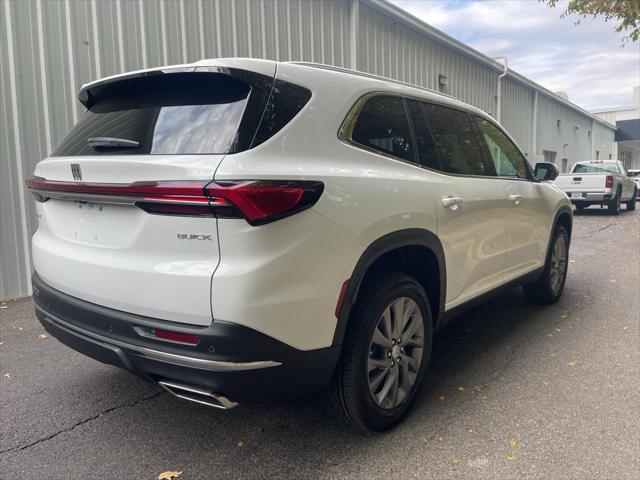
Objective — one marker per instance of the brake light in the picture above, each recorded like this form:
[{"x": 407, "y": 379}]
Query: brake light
[
  {"x": 609, "y": 182},
  {"x": 258, "y": 202},
  {"x": 262, "y": 202}
]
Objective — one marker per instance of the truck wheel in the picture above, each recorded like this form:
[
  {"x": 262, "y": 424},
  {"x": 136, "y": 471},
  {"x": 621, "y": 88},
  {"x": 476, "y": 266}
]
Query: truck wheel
[
  {"x": 631, "y": 204},
  {"x": 548, "y": 288},
  {"x": 614, "y": 205},
  {"x": 385, "y": 354}
]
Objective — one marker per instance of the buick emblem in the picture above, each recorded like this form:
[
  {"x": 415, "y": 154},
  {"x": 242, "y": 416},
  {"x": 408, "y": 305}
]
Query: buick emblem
[{"x": 76, "y": 172}]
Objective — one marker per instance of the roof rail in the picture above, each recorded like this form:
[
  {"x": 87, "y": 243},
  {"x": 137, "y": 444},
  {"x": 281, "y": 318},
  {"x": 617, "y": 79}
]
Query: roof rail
[{"x": 372, "y": 76}]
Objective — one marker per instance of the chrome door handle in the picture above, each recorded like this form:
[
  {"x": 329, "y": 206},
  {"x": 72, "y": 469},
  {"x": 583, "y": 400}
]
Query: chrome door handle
[
  {"x": 451, "y": 203},
  {"x": 515, "y": 199}
]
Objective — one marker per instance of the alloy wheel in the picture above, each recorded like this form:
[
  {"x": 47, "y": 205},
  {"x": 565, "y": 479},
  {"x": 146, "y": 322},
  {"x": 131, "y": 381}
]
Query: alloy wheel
[
  {"x": 395, "y": 353},
  {"x": 558, "y": 264}
]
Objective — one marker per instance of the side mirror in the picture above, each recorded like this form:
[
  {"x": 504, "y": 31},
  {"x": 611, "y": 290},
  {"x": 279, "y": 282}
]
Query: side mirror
[{"x": 546, "y": 171}]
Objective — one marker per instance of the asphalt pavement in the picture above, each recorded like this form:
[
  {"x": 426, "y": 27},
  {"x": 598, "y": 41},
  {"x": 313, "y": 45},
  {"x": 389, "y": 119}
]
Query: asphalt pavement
[{"x": 515, "y": 391}]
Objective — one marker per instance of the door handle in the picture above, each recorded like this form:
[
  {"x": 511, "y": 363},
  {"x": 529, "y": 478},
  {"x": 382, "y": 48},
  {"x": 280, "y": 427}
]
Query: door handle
[
  {"x": 515, "y": 198},
  {"x": 451, "y": 203}
]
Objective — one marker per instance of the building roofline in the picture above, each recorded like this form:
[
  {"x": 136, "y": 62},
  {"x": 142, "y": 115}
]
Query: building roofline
[
  {"x": 615, "y": 109},
  {"x": 391, "y": 10}
]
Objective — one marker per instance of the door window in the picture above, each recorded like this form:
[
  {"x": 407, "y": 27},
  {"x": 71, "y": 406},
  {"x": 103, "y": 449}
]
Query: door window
[
  {"x": 382, "y": 125},
  {"x": 456, "y": 142},
  {"x": 425, "y": 146},
  {"x": 507, "y": 159}
]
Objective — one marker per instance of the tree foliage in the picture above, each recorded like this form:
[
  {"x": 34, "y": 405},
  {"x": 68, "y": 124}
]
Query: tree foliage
[{"x": 625, "y": 12}]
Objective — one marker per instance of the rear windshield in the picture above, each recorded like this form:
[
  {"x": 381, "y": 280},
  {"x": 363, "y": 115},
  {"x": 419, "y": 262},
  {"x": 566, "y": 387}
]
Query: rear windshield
[
  {"x": 596, "y": 168},
  {"x": 184, "y": 113}
]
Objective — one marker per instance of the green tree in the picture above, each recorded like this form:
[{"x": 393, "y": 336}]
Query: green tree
[{"x": 625, "y": 12}]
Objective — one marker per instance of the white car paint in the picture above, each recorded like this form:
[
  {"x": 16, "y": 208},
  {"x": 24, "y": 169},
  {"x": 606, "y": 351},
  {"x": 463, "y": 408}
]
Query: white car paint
[{"x": 284, "y": 278}]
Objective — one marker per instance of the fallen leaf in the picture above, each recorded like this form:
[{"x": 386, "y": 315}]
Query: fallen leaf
[
  {"x": 511, "y": 458},
  {"x": 3, "y": 305},
  {"x": 442, "y": 397},
  {"x": 572, "y": 364},
  {"x": 513, "y": 444},
  {"x": 440, "y": 439},
  {"x": 240, "y": 444},
  {"x": 42, "y": 336},
  {"x": 455, "y": 461},
  {"x": 7, "y": 375},
  {"x": 461, "y": 389},
  {"x": 170, "y": 475}
]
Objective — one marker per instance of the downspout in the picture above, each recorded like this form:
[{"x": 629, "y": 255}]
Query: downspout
[
  {"x": 354, "y": 22},
  {"x": 505, "y": 69}
]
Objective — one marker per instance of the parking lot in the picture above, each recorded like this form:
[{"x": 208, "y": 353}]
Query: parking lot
[{"x": 514, "y": 391}]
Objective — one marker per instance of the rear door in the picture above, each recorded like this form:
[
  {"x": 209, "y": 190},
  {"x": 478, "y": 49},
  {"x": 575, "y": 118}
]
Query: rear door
[
  {"x": 470, "y": 201},
  {"x": 123, "y": 218}
]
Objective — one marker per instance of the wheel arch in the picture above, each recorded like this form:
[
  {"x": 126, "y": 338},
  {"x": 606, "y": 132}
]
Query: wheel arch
[{"x": 417, "y": 244}]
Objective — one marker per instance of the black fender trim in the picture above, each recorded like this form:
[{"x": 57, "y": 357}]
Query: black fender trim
[{"x": 391, "y": 241}]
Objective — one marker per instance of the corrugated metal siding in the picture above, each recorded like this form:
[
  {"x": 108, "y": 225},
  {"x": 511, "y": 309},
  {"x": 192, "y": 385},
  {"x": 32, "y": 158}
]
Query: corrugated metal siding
[
  {"x": 391, "y": 50},
  {"x": 49, "y": 48}
]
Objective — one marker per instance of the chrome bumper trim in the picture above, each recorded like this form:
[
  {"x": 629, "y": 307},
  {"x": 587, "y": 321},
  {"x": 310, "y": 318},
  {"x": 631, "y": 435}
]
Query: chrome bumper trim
[{"x": 193, "y": 362}]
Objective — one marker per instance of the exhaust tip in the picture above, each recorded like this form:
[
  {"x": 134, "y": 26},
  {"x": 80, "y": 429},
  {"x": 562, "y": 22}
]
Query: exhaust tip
[{"x": 196, "y": 394}]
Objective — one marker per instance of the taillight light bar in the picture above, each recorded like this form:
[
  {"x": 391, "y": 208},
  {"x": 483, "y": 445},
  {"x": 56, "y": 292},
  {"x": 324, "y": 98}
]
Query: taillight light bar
[
  {"x": 258, "y": 202},
  {"x": 608, "y": 183}
]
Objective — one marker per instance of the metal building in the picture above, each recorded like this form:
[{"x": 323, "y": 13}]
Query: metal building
[{"x": 49, "y": 48}]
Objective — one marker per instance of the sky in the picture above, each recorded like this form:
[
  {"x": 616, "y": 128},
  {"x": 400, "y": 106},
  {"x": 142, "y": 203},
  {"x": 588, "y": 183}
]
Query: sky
[{"x": 587, "y": 61}]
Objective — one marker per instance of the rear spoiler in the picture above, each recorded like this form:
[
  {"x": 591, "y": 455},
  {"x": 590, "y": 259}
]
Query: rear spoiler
[{"x": 242, "y": 68}]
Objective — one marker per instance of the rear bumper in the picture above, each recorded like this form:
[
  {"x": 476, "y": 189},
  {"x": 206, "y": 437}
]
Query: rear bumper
[
  {"x": 237, "y": 362},
  {"x": 589, "y": 197}
]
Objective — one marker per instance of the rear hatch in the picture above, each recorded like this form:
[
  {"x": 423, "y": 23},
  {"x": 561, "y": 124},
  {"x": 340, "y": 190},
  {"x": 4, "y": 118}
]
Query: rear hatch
[{"x": 124, "y": 218}]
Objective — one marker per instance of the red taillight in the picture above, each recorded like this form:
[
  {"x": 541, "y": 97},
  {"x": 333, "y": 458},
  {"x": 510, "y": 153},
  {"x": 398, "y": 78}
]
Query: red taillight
[
  {"x": 259, "y": 202},
  {"x": 262, "y": 202},
  {"x": 176, "y": 336},
  {"x": 609, "y": 182}
]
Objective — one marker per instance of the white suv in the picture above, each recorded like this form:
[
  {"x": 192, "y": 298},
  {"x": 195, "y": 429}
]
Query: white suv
[{"x": 240, "y": 229}]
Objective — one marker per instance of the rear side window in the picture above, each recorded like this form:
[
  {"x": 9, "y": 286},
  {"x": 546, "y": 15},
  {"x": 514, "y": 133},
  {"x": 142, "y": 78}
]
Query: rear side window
[
  {"x": 507, "y": 159},
  {"x": 382, "y": 125},
  {"x": 285, "y": 102},
  {"x": 456, "y": 142}
]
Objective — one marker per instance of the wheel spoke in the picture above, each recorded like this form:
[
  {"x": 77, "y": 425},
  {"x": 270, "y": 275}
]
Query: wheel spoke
[
  {"x": 388, "y": 384},
  {"x": 409, "y": 360},
  {"x": 377, "y": 380},
  {"x": 411, "y": 329},
  {"x": 386, "y": 317},
  {"x": 398, "y": 314},
  {"x": 380, "y": 339},
  {"x": 373, "y": 363}
]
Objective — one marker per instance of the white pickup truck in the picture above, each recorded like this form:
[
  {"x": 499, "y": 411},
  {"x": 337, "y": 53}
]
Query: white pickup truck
[{"x": 599, "y": 182}]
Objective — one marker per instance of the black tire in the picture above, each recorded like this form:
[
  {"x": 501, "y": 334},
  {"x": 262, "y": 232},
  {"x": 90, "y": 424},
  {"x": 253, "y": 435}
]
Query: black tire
[
  {"x": 544, "y": 290},
  {"x": 631, "y": 204},
  {"x": 348, "y": 395},
  {"x": 614, "y": 205}
]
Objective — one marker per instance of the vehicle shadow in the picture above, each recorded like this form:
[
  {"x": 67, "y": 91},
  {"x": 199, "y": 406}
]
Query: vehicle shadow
[
  {"x": 595, "y": 211},
  {"x": 299, "y": 437}
]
